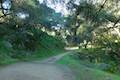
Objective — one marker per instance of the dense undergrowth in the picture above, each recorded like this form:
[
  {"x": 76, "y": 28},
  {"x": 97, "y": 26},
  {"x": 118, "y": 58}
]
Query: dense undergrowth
[
  {"x": 99, "y": 58},
  {"x": 16, "y": 49}
]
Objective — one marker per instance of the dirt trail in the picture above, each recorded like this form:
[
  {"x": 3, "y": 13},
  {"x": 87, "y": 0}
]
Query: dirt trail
[{"x": 37, "y": 70}]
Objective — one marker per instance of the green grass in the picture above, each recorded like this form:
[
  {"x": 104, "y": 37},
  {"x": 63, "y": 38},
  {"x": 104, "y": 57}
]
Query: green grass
[
  {"x": 45, "y": 53},
  {"x": 85, "y": 73}
]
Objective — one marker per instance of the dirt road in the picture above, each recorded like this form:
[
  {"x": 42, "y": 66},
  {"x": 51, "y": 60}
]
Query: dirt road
[{"x": 37, "y": 70}]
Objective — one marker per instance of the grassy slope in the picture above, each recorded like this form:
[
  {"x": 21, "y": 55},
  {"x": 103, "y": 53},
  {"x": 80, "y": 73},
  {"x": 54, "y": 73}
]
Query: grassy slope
[
  {"x": 84, "y": 73},
  {"x": 47, "y": 47}
]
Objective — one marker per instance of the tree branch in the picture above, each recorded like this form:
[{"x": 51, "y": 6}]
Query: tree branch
[
  {"x": 116, "y": 22},
  {"x": 102, "y": 6},
  {"x": 4, "y": 15}
]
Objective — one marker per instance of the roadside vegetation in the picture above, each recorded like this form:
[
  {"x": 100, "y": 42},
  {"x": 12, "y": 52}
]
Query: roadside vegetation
[
  {"x": 46, "y": 46},
  {"x": 84, "y": 70},
  {"x": 31, "y": 29}
]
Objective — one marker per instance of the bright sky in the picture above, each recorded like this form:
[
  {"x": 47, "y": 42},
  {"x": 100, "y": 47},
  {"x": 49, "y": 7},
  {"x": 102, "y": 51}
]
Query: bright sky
[
  {"x": 59, "y": 6},
  {"x": 22, "y": 15},
  {"x": 6, "y": 4}
]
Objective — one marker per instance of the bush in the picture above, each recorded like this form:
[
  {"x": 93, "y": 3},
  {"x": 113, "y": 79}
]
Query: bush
[{"x": 101, "y": 58}]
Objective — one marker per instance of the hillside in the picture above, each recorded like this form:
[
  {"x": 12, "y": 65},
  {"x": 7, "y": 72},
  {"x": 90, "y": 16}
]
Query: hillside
[{"x": 46, "y": 46}]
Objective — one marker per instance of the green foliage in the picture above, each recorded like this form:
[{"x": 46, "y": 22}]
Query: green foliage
[
  {"x": 83, "y": 72},
  {"x": 90, "y": 25},
  {"x": 94, "y": 25},
  {"x": 46, "y": 46},
  {"x": 5, "y": 53},
  {"x": 38, "y": 45},
  {"x": 38, "y": 13},
  {"x": 100, "y": 58},
  {"x": 22, "y": 38}
]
